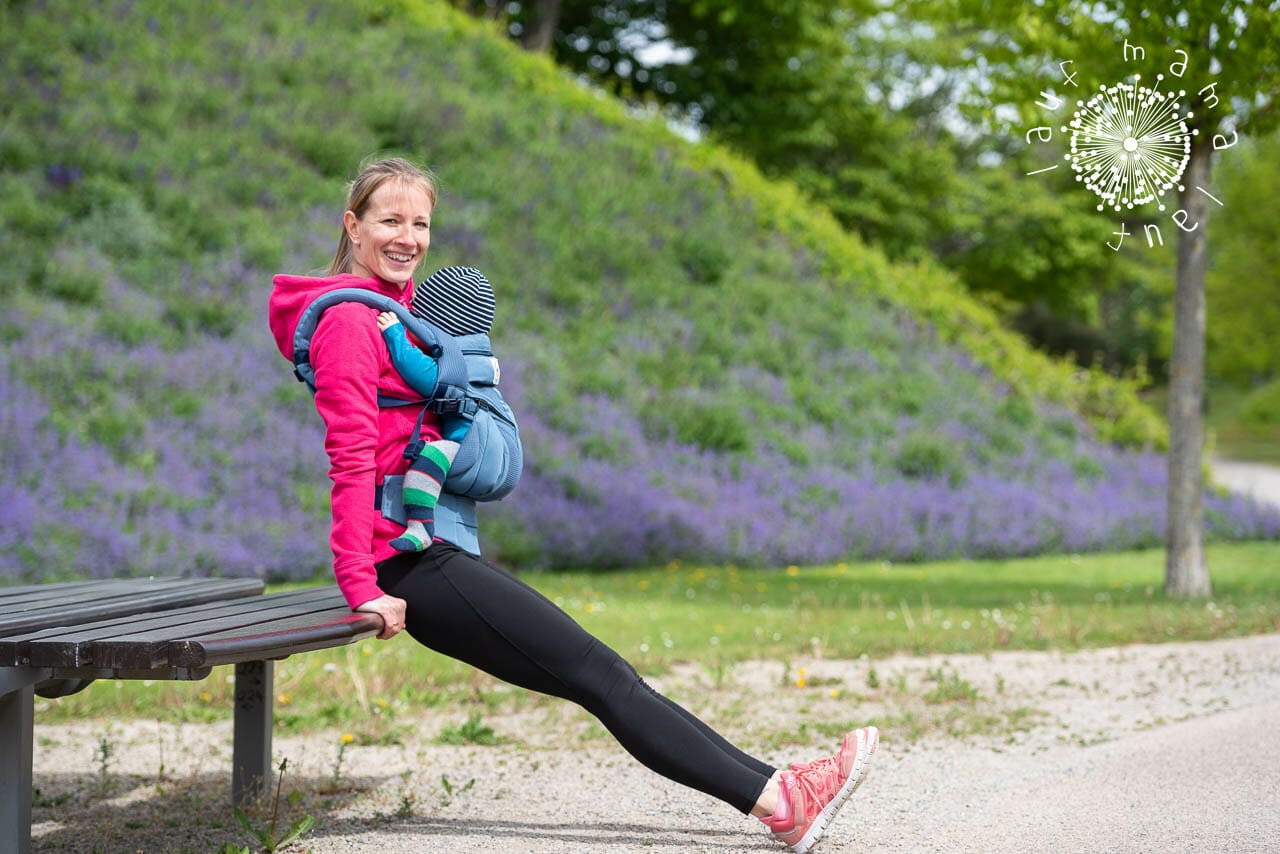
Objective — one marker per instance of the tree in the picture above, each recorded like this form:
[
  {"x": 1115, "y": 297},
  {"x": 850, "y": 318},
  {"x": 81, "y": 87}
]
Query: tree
[
  {"x": 855, "y": 103},
  {"x": 1234, "y": 48}
]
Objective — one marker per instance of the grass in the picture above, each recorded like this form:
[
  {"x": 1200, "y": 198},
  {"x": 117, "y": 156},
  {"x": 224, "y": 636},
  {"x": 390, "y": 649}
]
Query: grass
[{"x": 717, "y": 616}]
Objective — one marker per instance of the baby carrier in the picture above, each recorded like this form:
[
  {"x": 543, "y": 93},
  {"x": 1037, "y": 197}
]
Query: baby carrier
[{"x": 490, "y": 458}]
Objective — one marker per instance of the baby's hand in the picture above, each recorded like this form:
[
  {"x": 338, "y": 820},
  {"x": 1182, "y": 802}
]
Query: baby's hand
[{"x": 387, "y": 319}]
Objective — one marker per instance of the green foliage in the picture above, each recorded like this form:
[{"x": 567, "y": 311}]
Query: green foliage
[
  {"x": 1261, "y": 409},
  {"x": 926, "y": 455},
  {"x": 470, "y": 731},
  {"x": 710, "y": 427},
  {"x": 73, "y": 277},
  {"x": 856, "y": 104},
  {"x": 949, "y": 687},
  {"x": 266, "y": 836},
  {"x": 1243, "y": 283}
]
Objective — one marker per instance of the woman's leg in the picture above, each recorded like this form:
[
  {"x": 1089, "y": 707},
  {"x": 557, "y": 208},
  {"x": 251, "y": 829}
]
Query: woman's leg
[{"x": 468, "y": 609}]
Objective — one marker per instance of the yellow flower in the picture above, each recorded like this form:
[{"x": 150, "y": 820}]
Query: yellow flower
[
  {"x": 347, "y": 738},
  {"x": 835, "y": 693},
  {"x": 205, "y": 697},
  {"x": 800, "y": 682},
  {"x": 793, "y": 570},
  {"x": 381, "y": 702},
  {"x": 284, "y": 699}
]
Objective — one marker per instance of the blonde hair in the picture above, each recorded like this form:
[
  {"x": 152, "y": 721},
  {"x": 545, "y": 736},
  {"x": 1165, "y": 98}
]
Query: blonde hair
[{"x": 361, "y": 192}]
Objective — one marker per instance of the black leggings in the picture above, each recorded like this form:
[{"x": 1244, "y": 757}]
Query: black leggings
[{"x": 468, "y": 609}]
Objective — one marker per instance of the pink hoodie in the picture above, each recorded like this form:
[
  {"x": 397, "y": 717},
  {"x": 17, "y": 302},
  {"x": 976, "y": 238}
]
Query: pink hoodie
[{"x": 365, "y": 443}]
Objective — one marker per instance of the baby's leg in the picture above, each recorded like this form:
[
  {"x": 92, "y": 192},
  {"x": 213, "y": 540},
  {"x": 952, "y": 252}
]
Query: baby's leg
[{"x": 422, "y": 484}]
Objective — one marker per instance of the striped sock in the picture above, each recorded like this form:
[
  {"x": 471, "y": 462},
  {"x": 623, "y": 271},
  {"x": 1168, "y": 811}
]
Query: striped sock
[{"x": 422, "y": 484}]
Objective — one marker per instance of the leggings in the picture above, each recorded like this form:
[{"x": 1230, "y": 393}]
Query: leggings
[{"x": 468, "y": 609}]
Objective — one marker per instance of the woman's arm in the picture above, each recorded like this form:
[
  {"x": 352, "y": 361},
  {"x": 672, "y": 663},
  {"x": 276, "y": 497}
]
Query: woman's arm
[
  {"x": 418, "y": 369},
  {"x": 345, "y": 352}
]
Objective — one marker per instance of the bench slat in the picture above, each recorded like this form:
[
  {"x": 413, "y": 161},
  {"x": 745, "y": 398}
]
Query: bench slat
[
  {"x": 20, "y": 604},
  {"x": 150, "y": 649},
  {"x": 24, "y": 612},
  {"x": 324, "y": 629},
  {"x": 144, "y": 625},
  {"x": 142, "y": 637}
]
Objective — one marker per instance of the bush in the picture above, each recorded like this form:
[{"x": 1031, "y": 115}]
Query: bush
[
  {"x": 1261, "y": 410},
  {"x": 75, "y": 277},
  {"x": 925, "y": 455}
]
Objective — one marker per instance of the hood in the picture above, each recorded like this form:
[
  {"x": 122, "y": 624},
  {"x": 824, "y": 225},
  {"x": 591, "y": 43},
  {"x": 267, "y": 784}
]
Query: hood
[{"x": 290, "y": 296}]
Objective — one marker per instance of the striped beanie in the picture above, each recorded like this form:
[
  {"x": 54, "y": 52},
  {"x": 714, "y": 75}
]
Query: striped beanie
[{"x": 459, "y": 300}]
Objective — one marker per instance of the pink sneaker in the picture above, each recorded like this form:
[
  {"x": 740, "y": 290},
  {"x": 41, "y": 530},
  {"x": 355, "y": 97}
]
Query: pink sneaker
[
  {"x": 851, "y": 756},
  {"x": 810, "y": 794}
]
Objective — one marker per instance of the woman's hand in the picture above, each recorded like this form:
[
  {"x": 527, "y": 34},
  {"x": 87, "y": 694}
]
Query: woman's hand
[
  {"x": 386, "y": 320},
  {"x": 391, "y": 610}
]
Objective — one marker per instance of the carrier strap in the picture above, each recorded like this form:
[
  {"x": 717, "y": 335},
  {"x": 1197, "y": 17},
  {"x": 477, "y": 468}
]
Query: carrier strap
[{"x": 450, "y": 394}]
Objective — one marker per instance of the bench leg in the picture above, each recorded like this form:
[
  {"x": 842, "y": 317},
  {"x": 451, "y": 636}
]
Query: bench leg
[
  {"x": 17, "y": 721},
  {"x": 251, "y": 760}
]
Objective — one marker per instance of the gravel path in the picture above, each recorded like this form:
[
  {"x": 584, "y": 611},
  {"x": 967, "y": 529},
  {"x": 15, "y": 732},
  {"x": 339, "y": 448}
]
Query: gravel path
[{"x": 1144, "y": 748}]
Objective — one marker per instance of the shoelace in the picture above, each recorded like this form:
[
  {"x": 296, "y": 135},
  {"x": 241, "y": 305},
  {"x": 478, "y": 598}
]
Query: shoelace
[
  {"x": 826, "y": 767},
  {"x": 812, "y": 781}
]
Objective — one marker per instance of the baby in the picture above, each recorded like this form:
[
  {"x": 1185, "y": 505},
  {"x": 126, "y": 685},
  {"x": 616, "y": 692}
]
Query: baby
[{"x": 458, "y": 300}]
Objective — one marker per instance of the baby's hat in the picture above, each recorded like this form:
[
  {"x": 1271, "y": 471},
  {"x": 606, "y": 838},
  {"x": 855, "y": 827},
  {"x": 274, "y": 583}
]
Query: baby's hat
[{"x": 457, "y": 299}]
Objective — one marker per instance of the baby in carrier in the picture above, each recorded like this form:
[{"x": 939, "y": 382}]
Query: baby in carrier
[{"x": 458, "y": 300}]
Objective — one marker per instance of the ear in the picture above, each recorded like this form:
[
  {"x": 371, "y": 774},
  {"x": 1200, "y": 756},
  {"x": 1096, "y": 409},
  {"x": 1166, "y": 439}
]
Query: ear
[{"x": 350, "y": 222}]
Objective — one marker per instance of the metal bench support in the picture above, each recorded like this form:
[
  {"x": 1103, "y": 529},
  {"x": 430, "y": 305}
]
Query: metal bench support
[
  {"x": 17, "y": 719},
  {"x": 251, "y": 759}
]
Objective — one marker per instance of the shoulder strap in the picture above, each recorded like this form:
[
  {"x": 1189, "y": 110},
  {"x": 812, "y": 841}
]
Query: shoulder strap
[{"x": 451, "y": 381}]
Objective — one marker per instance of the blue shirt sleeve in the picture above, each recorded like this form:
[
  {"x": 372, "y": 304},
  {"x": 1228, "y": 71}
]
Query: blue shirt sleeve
[{"x": 418, "y": 369}]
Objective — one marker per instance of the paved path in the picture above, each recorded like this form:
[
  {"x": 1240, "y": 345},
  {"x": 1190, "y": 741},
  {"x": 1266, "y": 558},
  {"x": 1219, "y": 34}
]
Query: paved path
[
  {"x": 1208, "y": 784},
  {"x": 1260, "y": 480}
]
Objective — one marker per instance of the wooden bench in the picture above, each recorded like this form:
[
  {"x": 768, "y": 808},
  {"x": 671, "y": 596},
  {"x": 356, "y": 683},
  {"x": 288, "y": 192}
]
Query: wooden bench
[{"x": 57, "y": 638}]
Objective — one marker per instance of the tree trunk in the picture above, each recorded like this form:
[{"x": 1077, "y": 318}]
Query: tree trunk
[
  {"x": 1185, "y": 571},
  {"x": 543, "y": 17}
]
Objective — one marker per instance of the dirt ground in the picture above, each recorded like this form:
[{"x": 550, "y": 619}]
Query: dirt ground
[{"x": 1141, "y": 748}]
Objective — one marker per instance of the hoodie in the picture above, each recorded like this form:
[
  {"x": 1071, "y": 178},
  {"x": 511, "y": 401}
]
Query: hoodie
[{"x": 365, "y": 443}]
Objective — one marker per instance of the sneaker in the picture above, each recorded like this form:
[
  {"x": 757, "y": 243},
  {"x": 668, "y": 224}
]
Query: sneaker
[
  {"x": 847, "y": 758},
  {"x": 810, "y": 794}
]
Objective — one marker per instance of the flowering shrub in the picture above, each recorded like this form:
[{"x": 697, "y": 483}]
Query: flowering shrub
[{"x": 233, "y": 482}]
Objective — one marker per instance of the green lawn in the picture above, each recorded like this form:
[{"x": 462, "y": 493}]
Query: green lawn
[{"x": 656, "y": 617}]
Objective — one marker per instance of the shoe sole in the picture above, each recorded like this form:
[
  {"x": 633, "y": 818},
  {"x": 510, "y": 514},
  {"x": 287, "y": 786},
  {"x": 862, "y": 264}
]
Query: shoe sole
[{"x": 868, "y": 739}]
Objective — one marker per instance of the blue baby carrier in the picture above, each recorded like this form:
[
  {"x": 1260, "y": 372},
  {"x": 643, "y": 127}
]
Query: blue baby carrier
[{"x": 490, "y": 458}]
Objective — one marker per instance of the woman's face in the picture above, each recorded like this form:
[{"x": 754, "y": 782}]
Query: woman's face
[{"x": 392, "y": 237}]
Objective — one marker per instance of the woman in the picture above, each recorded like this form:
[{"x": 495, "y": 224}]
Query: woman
[{"x": 461, "y": 606}]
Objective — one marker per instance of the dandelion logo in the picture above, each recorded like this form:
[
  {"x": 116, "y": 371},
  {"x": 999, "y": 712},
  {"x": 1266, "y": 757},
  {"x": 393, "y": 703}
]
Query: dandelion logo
[{"x": 1129, "y": 145}]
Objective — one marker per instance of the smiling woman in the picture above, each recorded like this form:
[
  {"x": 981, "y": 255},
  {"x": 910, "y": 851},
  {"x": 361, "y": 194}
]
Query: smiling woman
[
  {"x": 386, "y": 229},
  {"x": 445, "y": 596}
]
